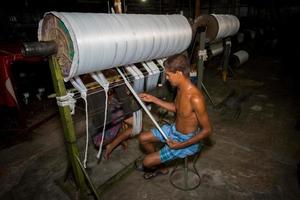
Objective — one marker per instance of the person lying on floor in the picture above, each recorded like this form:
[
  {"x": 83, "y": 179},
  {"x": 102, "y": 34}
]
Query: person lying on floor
[{"x": 184, "y": 137}]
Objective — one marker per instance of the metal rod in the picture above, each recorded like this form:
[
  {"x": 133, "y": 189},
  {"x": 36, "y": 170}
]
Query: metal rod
[
  {"x": 186, "y": 172},
  {"x": 111, "y": 85},
  {"x": 88, "y": 178},
  {"x": 206, "y": 92},
  {"x": 142, "y": 104}
]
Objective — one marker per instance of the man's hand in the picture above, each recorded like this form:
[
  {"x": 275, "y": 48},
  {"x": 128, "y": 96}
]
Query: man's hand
[
  {"x": 147, "y": 97},
  {"x": 174, "y": 144}
]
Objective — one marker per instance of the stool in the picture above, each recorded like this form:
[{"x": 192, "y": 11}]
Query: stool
[{"x": 185, "y": 178}]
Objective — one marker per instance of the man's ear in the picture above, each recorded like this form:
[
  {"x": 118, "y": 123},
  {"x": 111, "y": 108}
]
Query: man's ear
[{"x": 180, "y": 72}]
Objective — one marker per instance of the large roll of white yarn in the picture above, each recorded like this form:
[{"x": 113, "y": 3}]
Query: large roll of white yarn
[
  {"x": 218, "y": 26},
  {"x": 228, "y": 25},
  {"x": 239, "y": 58},
  {"x": 216, "y": 48},
  {"x": 89, "y": 42},
  {"x": 242, "y": 56}
]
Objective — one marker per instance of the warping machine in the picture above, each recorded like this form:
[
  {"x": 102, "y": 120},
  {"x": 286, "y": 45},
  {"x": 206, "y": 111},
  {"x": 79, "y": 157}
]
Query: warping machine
[
  {"x": 216, "y": 38},
  {"x": 97, "y": 52}
]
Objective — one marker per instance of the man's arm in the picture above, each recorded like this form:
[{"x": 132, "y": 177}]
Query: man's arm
[
  {"x": 202, "y": 117},
  {"x": 152, "y": 99}
]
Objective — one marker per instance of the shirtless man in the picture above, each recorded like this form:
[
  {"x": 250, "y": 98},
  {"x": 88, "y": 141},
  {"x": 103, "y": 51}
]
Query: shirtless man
[{"x": 183, "y": 136}]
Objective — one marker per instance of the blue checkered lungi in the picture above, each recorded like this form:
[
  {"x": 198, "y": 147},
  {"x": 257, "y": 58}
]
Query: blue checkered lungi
[{"x": 166, "y": 153}]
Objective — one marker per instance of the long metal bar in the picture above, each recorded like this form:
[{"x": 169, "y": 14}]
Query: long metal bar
[
  {"x": 207, "y": 93},
  {"x": 88, "y": 178},
  {"x": 142, "y": 104}
]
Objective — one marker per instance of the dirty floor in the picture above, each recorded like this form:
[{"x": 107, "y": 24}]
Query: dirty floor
[{"x": 254, "y": 151}]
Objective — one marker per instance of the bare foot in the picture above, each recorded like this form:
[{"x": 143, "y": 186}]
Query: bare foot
[
  {"x": 108, "y": 151},
  {"x": 164, "y": 170}
]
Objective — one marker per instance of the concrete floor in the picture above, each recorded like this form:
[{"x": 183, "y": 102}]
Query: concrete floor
[{"x": 252, "y": 157}]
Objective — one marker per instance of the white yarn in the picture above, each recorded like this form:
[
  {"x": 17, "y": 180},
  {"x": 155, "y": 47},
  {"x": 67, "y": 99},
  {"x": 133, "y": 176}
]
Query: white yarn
[
  {"x": 140, "y": 79},
  {"x": 202, "y": 54},
  {"x": 155, "y": 71},
  {"x": 228, "y": 25},
  {"x": 137, "y": 122},
  {"x": 103, "y": 41},
  {"x": 242, "y": 56},
  {"x": 149, "y": 79},
  {"x": 78, "y": 84},
  {"x": 216, "y": 48},
  {"x": 134, "y": 75},
  {"x": 99, "y": 77},
  {"x": 163, "y": 75},
  {"x": 67, "y": 100}
]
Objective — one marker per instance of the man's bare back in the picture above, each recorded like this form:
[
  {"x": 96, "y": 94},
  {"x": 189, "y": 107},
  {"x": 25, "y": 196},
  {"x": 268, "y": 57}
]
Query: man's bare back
[{"x": 186, "y": 118}]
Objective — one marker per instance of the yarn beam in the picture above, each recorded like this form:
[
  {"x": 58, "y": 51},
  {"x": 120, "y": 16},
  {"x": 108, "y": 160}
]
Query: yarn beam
[{"x": 89, "y": 42}]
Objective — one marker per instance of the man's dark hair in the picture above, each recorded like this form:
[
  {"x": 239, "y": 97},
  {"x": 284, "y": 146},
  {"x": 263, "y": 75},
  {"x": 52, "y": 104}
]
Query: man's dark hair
[{"x": 178, "y": 62}]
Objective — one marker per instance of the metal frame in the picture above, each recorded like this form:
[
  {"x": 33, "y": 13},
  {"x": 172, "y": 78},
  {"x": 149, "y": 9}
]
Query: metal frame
[{"x": 186, "y": 173}]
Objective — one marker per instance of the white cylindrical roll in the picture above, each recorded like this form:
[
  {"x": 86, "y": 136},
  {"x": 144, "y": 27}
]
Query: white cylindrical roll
[
  {"x": 89, "y": 42},
  {"x": 228, "y": 25},
  {"x": 216, "y": 48},
  {"x": 242, "y": 57}
]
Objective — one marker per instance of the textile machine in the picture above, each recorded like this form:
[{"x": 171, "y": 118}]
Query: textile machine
[{"x": 97, "y": 53}]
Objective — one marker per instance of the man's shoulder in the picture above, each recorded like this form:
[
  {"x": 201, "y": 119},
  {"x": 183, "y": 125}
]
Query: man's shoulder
[{"x": 196, "y": 97}]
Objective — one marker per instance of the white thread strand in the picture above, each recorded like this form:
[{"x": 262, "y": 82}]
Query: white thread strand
[
  {"x": 78, "y": 84},
  {"x": 136, "y": 85},
  {"x": 67, "y": 100},
  {"x": 140, "y": 79},
  {"x": 149, "y": 77},
  {"x": 99, "y": 77},
  {"x": 137, "y": 122},
  {"x": 156, "y": 73},
  {"x": 142, "y": 104}
]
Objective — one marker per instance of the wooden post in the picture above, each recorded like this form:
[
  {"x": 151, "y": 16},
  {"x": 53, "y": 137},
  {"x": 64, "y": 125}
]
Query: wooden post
[
  {"x": 197, "y": 8},
  {"x": 67, "y": 123},
  {"x": 118, "y": 6},
  {"x": 225, "y": 59}
]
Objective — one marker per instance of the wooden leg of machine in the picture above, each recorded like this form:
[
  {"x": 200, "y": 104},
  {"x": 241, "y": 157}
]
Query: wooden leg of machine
[
  {"x": 226, "y": 59},
  {"x": 67, "y": 124}
]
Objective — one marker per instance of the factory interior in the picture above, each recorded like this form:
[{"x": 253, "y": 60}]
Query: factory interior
[{"x": 72, "y": 72}]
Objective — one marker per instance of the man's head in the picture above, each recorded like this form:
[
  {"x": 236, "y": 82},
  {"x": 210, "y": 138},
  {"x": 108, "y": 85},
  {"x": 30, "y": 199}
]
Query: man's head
[{"x": 177, "y": 67}]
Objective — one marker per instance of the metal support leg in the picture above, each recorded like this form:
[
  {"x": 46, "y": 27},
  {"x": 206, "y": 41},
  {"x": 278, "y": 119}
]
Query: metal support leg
[
  {"x": 186, "y": 172},
  {"x": 184, "y": 177}
]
